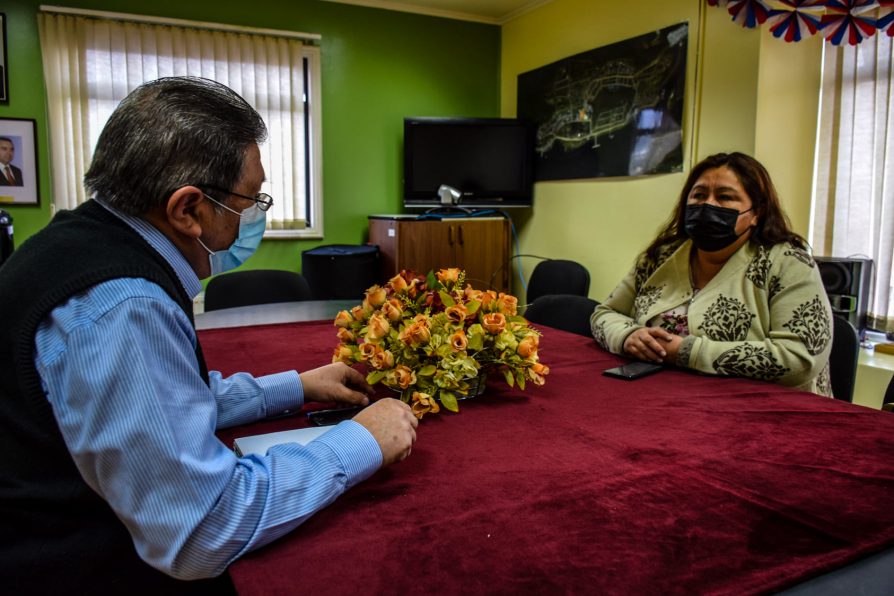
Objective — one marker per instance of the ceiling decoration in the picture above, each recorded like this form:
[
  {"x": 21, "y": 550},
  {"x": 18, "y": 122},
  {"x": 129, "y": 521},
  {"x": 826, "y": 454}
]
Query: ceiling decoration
[{"x": 839, "y": 21}]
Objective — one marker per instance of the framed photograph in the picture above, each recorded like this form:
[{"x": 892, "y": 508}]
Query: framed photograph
[
  {"x": 18, "y": 162},
  {"x": 4, "y": 76},
  {"x": 612, "y": 111}
]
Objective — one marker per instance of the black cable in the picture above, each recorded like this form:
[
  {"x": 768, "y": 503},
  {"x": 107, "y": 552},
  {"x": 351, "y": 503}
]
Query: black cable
[{"x": 509, "y": 264}]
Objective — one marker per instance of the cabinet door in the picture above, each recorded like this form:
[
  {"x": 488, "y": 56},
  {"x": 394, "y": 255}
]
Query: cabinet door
[
  {"x": 482, "y": 249},
  {"x": 383, "y": 233},
  {"x": 427, "y": 245}
]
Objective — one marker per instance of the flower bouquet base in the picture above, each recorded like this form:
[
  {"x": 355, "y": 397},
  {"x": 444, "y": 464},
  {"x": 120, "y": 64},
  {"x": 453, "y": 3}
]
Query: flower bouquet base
[{"x": 477, "y": 385}]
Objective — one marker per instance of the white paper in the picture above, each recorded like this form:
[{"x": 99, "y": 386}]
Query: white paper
[{"x": 259, "y": 444}]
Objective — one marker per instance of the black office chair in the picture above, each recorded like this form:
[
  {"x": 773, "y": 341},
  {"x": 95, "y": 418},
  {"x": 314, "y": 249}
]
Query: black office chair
[
  {"x": 567, "y": 312},
  {"x": 558, "y": 276},
  {"x": 843, "y": 359},
  {"x": 255, "y": 286},
  {"x": 888, "y": 401}
]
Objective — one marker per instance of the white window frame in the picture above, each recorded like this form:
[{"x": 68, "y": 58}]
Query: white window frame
[
  {"x": 313, "y": 105},
  {"x": 69, "y": 166}
]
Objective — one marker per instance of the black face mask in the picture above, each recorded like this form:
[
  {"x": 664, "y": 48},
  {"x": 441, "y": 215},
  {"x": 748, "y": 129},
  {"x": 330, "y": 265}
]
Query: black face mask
[{"x": 710, "y": 227}]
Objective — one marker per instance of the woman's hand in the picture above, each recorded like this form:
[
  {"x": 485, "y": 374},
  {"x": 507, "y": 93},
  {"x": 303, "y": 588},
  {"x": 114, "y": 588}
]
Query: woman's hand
[{"x": 653, "y": 344}]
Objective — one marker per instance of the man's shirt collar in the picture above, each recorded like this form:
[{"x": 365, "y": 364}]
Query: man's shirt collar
[{"x": 164, "y": 247}]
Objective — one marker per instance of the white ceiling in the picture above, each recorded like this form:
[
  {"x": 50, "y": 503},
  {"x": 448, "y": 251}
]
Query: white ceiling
[{"x": 495, "y": 12}]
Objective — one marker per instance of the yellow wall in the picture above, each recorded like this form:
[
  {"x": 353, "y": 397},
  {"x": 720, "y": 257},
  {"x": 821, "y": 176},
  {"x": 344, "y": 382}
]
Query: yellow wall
[
  {"x": 745, "y": 91},
  {"x": 787, "y": 111}
]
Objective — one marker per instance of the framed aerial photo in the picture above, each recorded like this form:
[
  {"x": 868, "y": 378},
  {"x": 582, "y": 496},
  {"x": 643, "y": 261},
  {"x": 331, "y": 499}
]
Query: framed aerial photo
[
  {"x": 18, "y": 162},
  {"x": 4, "y": 76},
  {"x": 616, "y": 110}
]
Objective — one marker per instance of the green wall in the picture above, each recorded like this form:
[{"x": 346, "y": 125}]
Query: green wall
[{"x": 378, "y": 66}]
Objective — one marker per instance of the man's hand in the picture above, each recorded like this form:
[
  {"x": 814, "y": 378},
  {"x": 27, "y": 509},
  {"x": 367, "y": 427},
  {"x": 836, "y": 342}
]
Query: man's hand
[
  {"x": 392, "y": 423},
  {"x": 653, "y": 344},
  {"x": 336, "y": 383}
]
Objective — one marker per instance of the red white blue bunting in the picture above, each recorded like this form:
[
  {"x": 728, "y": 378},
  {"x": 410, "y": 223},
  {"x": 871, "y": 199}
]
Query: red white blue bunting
[
  {"x": 800, "y": 20},
  {"x": 839, "y": 21},
  {"x": 748, "y": 13},
  {"x": 885, "y": 23},
  {"x": 844, "y": 21}
]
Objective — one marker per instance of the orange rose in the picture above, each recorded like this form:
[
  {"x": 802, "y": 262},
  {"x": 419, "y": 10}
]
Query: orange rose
[
  {"x": 488, "y": 299},
  {"x": 401, "y": 376},
  {"x": 368, "y": 350},
  {"x": 359, "y": 313},
  {"x": 343, "y": 319},
  {"x": 459, "y": 341},
  {"x": 392, "y": 310},
  {"x": 450, "y": 275},
  {"x": 378, "y": 327},
  {"x": 457, "y": 313},
  {"x": 507, "y": 304},
  {"x": 342, "y": 354},
  {"x": 424, "y": 403},
  {"x": 398, "y": 283},
  {"x": 493, "y": 322},
  {"x": 537, "y": 372},
  {"x": 471, "y": 293},
  {"x": 416, "y": 334},
  {"x": 345, "y": 336},
  {"x": 413, "y": 288},
  {"x": 527, "y": 347},
  {"x": 381, "y": 360},
  {"x": 376, "y": 296}
]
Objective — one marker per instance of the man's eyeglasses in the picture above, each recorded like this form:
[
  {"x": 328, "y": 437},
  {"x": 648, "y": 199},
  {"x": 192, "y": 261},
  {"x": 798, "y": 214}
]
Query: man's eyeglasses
[{"x": 263, "y": 200}]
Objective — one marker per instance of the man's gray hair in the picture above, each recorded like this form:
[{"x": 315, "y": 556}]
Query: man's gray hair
[{"x": 170, "y": 133}]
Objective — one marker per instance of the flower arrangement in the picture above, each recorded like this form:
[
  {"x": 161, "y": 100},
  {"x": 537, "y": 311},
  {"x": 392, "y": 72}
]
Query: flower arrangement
[{"x": 428, "y": 337}]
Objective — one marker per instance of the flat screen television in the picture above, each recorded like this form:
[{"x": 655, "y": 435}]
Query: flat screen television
[{"x": 489, "y": 161}]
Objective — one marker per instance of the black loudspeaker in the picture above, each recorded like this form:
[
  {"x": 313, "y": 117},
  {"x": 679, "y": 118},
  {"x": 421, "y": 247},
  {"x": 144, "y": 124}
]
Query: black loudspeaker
[
  {"x": 848, "y": 283},
  {"x": 340, "y": 271}
]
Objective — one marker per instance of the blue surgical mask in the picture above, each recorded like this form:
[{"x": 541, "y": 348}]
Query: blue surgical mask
[{"x": 252, "y": 222}]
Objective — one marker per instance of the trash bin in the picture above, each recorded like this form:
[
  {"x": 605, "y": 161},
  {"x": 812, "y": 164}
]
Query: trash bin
[
  {"x": 6, "y": 243},
  {"x": 340, "y": 271}
]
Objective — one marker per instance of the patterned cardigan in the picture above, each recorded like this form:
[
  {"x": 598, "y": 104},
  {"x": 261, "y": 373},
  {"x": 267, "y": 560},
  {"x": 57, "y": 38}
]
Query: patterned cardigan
[{"x": 765, "y": 315}]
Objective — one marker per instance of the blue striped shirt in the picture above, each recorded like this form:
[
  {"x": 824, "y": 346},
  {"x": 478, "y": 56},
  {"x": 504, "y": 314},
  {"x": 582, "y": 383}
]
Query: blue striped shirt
[{"x": 118, "y": 366}]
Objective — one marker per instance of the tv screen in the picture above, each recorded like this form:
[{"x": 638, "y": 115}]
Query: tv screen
[{"x": 488, "y": 160}]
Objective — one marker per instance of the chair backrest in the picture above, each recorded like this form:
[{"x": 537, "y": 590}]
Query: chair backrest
[
  {"x": 567, "y": 312},
  {"x": 888, "y": 401},
  {"x": 843, "y": 359},
  {"x": 558, "y": 276},
  {"x": 255, "y": 286}
]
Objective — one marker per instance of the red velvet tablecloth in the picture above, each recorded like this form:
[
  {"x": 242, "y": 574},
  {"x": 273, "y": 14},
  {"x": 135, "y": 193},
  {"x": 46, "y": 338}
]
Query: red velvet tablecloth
[{"x": 674, "y": 483}]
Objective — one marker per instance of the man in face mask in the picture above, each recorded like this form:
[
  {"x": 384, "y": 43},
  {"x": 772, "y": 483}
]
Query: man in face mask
[{"x": 113, "y": 478}]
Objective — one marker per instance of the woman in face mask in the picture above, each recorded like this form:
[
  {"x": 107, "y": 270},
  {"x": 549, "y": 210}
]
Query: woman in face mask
[{"x": 726, "y": 287}]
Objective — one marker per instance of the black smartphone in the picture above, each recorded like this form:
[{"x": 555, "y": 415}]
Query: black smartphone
[
  {"x": 333, "y": 416},
  {"x": 633, "y": 370}
]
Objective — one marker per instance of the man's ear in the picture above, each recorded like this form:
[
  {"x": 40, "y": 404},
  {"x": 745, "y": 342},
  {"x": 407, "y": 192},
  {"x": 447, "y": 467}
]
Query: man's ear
[{"x": 183, "y": 210}]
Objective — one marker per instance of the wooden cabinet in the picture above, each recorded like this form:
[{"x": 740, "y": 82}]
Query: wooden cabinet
[{"x": 479, "y": 245}]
